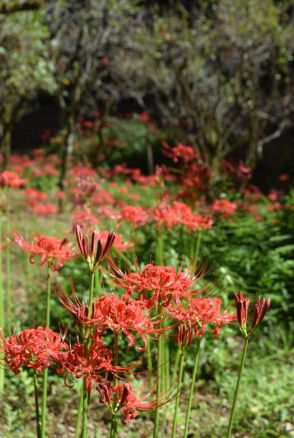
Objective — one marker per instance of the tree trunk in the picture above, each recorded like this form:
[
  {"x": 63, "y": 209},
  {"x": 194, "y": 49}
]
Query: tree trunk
[
  {"x": 67, "y": 152},
  {"x": 150, "y": 157},
  {"x": 6, "y": 148}
]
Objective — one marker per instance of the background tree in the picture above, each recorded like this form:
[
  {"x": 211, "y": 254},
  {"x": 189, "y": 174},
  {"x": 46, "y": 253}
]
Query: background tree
[
  {"x": 25, "y": 69},
  {"x": 222, "y": 70}
]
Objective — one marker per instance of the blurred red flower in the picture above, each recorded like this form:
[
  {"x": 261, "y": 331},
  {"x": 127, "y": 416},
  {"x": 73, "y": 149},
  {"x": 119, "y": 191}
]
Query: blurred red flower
[{"x": 48, "y": 248}]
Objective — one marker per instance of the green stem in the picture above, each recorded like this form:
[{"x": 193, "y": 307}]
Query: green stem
[
  {"x": 166, "y": 366},
  {"x": 229, "y": 432},
  {"x": 37, "y": 411},
  {"x": 114, "y": 422},
  {"x": 98, "y": 282},
  {"x": 2, "y": 322},
  {"x": 179, "y": 386},
  {"x": 91, "y": 296},
  {"x": 159, "y": 377},
  {"x": 149, "y": 362},
  {"x": 198, "y": 242},
  {"x": 85, "y": 393},
  {"x": 194, "y": 375},
  {"x": 121, "y": 254},
  {"x": 159, "y": 247},
  {"x": 114, "y": 426},
  {"x": 48, "y": 296},
  {"x": 45, "y": 372},
  {"x": 85, "y": 410},
  {"x": 176, "y": 365},
  {"x": 8, "y": 274},
  {"x": 80, "y": 411}
]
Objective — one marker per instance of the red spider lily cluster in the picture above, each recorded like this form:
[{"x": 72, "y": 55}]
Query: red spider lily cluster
[
  {"x": 224, "y": 207},
  {"x": 148, "y": 307},
  {"x": 155, "y": 304},
  {"x": 11, "y": 179},
  {"x": 180, "y": 214}
]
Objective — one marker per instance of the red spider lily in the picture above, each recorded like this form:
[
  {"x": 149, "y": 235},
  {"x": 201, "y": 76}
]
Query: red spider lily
[
  {"x": 108, "y": 212},
  {"x": 60, "y": 194},
  {"x": 127, "y": 401},
  {"x": 33, "y": 196},
  {"x": 238, "y": 171},
  {"x": 197, "y": 314},
  {"x": 118, "y": 242},
  {"x": 260, "y": 309},
  {"x": 134, "y": 214},
  {"x": 102, "y": 197},
  {"x": 45, "y": 209},
  {"x": 82, "y": 171},
  {"x": 252, "y": 209},
  {"x": 48, "y": 248},
  {"x": 123, "y": 315},
  {"x": 185, "y": 334},
  {"x": 120, "y": 315},
  {"x": 11, "y": 179},
  {"x": 180, "y": 152},
  {"x": 83, "y": 218},
  {"x": 78, "y": 308},
  {"x": 92, "y": 362},
  {"x": 164, "y": 282},
  {"x": 94, "y": 252},
  {"x": 45, "y": 169},
  {"x": 224, "y": 207},
  {"x": 33, "y": 348},
  {"x": 86, "y": 187},
  {"x": 180, "y": 214}
]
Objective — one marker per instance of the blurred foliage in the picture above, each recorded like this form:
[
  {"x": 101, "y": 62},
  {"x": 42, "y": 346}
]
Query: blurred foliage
[{"x": 219, "y": 71}]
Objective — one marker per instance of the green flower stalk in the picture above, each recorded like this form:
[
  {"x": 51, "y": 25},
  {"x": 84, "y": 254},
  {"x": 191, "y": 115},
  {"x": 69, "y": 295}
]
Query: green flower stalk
[
  {"x": 45, "y": 372},
  {"x": 37, "y": 411},
  {"x": 193, "y": 382},
  {"x": 94, "y": 252},
  {"x": 261, "y": 308},
  {"x": 179, "y": 387},
  {"x": 1, "y": 308}
]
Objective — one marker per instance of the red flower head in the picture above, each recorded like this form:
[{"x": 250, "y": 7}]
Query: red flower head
[
  {"x": 180, "y": 214},
  {"x": 224, "y": 207},
  {"x": 181, "y": 152},
  {"x": 48, "y": 248},
  {"x": 34, "y": 196},
  {"x": 134, "y": 214},
  {"x": 45, "y": 209},
  {"x": 11, "y": 179},
  {"x": 89, "y": 364},
  {"x": 83, "y": 218},
  {"x": 197, "y": 313},
  {"x": 123, "y": 315},
  {"x": 118, "y": 242},
  {"x": 163, "y": 282},
  {"x": 33, "y": 348},
  {"x": 127, "y": 401},
  {"x": 94, "y": 252}
]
